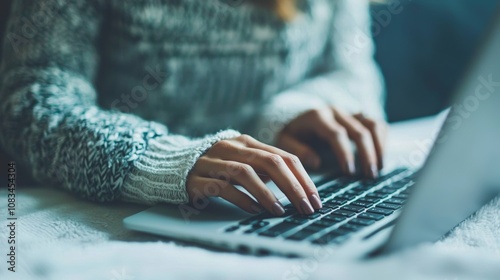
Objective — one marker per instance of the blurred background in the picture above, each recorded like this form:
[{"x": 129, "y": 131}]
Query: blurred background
[{"x": 423, "y": 48}]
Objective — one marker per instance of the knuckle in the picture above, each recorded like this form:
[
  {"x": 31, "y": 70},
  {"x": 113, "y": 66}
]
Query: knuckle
[
  {"x": 245, "y": 138},
  {"x": 232, "y": 168},
  {"x": 244, "y": 170},
  {"x": 291, "y": 159},
  {"x": 296, "y": 187},
  {"x": 223, "y": 145},
  {"x": 275, "y": 160},
  {"x": 339, "y": 132}
]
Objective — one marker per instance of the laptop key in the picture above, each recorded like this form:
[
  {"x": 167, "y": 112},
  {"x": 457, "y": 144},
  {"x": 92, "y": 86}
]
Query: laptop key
[
  {"x": 389, "y": 206},
  {"x": 353, "y": 208},
  {"x": 377, "y": 195},
  {"x": 368, "y": 199},
  {"x": 385, "y": 191},
  {"x": 382, "y": 211},
  {"x": 332, "y": 236},
  {"x": 315, "y": 228},
  {"x": 260, "y": 224},
  {"x": 359, "y": 189},
  {"x": 374, "y": 182},
  {"x": 395, "y": 201},
  {"x": 346, "y": 196},
  {"x": 325, "y": 210},
  {"x": 345, "y": 181},
  {"x": 350, "y": 227},
  {"x": 345, "y": 213},
  {"x": 251, "y": 230},
  {"x": 278, "y": 229},
  {"x": 324, "y": 194},
  {"x": 371, "y": 216},
  {"x": 261, "y": 216},
  {"x": 353, "y": 192},
  {"x": 301, "y": 235},
  {"x": 396, "y": 185},
  {"x": 362, "y": 203},
  {"x": 298, "y": 221},
  {"x": 406, "y": 191},
  {"x": 401, "y": 196},
  {"x": 363, "y": 222},
  {"x": 322, "y": 223},
  {"x": 312, "y": 216},
  {"x": 335, "y": 202},
  {"x": 333, "y": 218},
  {"x": 232, "y": 228}
]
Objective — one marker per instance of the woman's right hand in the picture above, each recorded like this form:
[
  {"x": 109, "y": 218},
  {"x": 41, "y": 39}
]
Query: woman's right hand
[{"x": 247, "y": 162}]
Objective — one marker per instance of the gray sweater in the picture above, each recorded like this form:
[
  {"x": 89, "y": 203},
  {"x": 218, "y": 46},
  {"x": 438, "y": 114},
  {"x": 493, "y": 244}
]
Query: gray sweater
[{"x": 117, "y": 99}]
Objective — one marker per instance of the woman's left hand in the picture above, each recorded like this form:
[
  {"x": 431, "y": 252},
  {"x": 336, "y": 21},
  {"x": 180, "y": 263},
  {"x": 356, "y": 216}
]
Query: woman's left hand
[{"x": 338, "y": 129}]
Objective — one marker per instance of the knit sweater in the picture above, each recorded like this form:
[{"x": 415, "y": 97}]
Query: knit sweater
[{"x": 117, "y": 99}]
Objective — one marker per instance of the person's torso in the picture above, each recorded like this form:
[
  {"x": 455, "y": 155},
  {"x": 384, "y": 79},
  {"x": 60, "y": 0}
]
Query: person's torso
[{"x": 201, "y": 66}]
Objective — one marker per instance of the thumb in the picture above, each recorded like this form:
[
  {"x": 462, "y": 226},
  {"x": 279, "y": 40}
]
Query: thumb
[{"x": 306, "y": 154}]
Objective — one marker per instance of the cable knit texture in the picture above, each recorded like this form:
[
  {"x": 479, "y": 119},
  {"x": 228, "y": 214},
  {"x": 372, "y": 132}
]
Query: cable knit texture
[{"x": 117, "y": 99}]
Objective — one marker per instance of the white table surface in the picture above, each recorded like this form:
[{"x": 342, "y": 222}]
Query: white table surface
[{"x": 60, "y": 236}]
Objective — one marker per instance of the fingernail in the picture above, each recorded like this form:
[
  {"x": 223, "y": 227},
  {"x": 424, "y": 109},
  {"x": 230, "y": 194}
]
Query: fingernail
[
  {"x": 278, "y": 210},
  {"x": 306, "y": 207},
  {"x": 316, "y": 202},
  {"x": 256, "y": 208},
  {"x": 374, "y": 171},
  {"x": 351, "y": 168},
  {"x": 312, "y": 161}
]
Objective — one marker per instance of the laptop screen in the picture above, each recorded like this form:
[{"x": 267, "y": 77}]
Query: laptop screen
[{"x": 461, "y": 173}]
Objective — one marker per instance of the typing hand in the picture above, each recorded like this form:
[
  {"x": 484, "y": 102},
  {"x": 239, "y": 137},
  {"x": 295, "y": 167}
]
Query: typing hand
[
  {"x": 337, "y": 129},
  {"x": 247, "y": 162}
]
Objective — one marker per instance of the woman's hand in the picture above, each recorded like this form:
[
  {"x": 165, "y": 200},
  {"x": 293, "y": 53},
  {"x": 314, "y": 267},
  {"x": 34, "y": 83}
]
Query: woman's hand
[
  {"x": 337, "y": 129},
  {"x": 247, "y": 162}
]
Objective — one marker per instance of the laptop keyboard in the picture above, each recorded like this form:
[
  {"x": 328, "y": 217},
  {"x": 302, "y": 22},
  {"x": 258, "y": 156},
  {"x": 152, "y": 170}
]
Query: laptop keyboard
[{"x": 349, "y": 205}]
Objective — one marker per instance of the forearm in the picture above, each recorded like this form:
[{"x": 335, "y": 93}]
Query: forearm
[{"x": 100, "y": 155}]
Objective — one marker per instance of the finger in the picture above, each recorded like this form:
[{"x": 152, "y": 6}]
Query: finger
[
  {"x": 234, "y": 172},
  {"x": 336, "y": 136},
  {"x": 275, "y": 167},
  {"x": 290, "y": 159},
  {"x": 306, "y": 155},
  {"x": 213, "y": 187},
  {"x": 378, "y": 134},
  {"x": 292, "y": 179},
  {"x": 270, "y": 163},
  {"x": 363, "y": 140}
]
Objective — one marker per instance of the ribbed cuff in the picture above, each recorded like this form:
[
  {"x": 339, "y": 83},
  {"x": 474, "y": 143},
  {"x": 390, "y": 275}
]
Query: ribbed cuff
[{"x": 160, "y": 173}]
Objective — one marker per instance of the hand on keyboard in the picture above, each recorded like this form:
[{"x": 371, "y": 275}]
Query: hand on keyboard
[
  {"x": 337, "y": 129},
  {"x": 244, "y": 161}
]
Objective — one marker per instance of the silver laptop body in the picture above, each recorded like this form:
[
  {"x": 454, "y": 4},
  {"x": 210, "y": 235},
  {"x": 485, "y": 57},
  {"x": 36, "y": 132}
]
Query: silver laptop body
[{"x": 461, "y": 174}]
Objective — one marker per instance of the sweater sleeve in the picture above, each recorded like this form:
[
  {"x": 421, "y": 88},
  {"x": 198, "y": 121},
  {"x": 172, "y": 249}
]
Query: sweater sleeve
[
  {"x": 349, "y": 78},
  {"x": 50, "y": 121}
]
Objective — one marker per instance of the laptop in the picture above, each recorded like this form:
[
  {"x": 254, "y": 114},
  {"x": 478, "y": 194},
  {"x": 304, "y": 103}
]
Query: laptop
[{"x": 402, "y": 208}]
